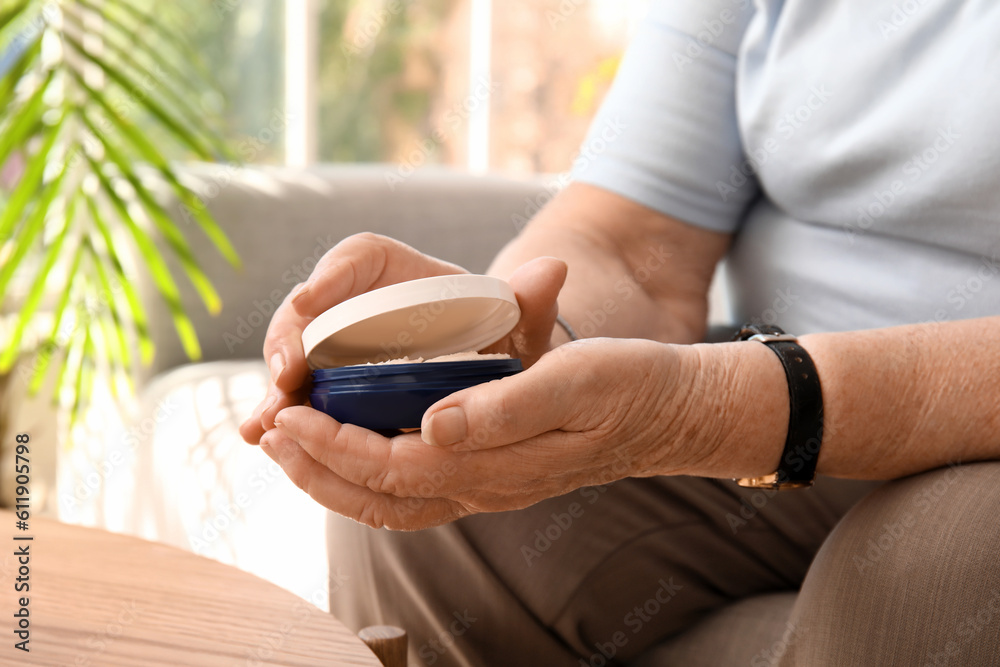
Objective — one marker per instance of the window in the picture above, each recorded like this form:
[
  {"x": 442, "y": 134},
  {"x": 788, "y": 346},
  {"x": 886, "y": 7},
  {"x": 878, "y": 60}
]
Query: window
[{"x": 474, "y": 84}]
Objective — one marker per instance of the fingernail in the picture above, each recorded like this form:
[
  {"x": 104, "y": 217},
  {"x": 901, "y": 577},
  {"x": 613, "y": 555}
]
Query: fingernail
[
  {"x": 277, "y": 420},
  {"x": 277, "y": 365},
  {"x": 301, "y": 291},
  {"x": 446, "y": 427},
  {"x": 279, "y": 447}
]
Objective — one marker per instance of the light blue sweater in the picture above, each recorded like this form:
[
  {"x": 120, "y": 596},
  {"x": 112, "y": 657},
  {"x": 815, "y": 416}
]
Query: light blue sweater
[{"x": 852, "y": 145}]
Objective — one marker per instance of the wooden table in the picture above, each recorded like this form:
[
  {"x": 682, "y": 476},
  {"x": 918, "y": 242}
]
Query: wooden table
[{"x": 99, "y": 599}]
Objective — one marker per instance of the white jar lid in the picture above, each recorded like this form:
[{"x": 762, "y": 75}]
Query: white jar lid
[{"x": 420, "y": 318}]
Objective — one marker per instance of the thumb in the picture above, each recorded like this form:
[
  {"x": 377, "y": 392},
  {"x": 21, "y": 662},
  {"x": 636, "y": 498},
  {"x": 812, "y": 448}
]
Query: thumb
[
  {"x": 503, "y": 411},
  {"x": 536, "y": 285}
]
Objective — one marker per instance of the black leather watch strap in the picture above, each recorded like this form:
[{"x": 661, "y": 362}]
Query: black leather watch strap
[{"x": 797, "y": 467}]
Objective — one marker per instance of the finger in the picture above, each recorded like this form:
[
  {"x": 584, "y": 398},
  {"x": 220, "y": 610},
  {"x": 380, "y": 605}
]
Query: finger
[
  {"x": 356, "y": 502},
  {"x": 361, "y": 263},
  {"x": 283, "y": 351},
  {"x": 509, "y": 410},
  {"x": 262, "y": 418},
  {"x": 403, "y": 466},
  {"x": 251, "y": 429},
  {"x": 283, "y": 400},
  {"x": 536, "y": 285}
]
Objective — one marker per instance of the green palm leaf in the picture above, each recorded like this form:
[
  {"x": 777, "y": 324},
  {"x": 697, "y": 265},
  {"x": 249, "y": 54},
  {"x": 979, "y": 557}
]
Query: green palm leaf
[
  {"x": 181, "y": 132},
  {"x": 142, "y": 21},
  {"x": 30, "y": 182},
  {"x": 111, "y": 325},
  {"x": 154, "y": 263},
  {"x": 150, "y": 154},
  {"x": 29, "y": 232},
  {"x": 34, "y": 298},
  {"x": 137, "y": 312},
  {"x": 10, "y": 78},
  {"x": 162, "y": 221},
  {"x": 82, "y": 142},
  {"x": 172, "y": 95},
  {"x": 52, "y": 343},
  {"x": 11, "y": 13},
  {"x": 25, "y": 121},
  {"x": 84, "y": 372}
]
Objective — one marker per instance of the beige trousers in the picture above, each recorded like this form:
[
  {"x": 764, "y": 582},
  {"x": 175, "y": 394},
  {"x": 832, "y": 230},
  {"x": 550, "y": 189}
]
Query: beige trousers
[{"x": 636, "y": 571}]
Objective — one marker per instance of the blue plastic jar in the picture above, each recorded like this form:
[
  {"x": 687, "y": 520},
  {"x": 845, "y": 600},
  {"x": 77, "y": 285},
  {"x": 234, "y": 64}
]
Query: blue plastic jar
[
  {"x": 425, "y": 318},
  {"x": 395, "y": 396}
]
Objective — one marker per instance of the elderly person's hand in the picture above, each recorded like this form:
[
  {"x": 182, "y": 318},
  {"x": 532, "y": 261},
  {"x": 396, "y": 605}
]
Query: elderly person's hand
[
  {"x": 365, "y": 262},
  {"x": 586, "y": 413}
]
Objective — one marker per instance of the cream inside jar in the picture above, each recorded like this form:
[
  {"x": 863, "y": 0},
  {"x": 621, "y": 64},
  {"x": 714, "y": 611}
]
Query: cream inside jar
[{"x": 382, "y": 358}]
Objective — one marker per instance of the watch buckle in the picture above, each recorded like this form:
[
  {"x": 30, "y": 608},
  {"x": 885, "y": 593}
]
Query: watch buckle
[
  {"x": 772, "y": 482},
  {"x": 771, "y": 338}
]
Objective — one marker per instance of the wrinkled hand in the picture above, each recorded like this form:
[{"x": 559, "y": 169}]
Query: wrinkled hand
[
  {"x": 586, "y": 413},
  {"x": 365, "y": 262}
]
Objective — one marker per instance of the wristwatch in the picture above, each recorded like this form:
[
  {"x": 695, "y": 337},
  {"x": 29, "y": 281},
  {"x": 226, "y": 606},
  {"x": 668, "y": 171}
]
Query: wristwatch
[{"x": 797, "y": 466}]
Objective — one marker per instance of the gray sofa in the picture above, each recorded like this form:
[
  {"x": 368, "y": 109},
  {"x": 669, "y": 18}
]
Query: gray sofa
[{"x": 196, "y": 485}]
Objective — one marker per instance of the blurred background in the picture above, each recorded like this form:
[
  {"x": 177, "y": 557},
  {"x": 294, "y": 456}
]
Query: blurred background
[{"x": 502, "y": 86}]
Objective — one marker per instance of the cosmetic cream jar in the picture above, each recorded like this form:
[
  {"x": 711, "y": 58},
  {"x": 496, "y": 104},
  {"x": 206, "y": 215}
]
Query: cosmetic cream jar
[{"x": 375, "y": 357}]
